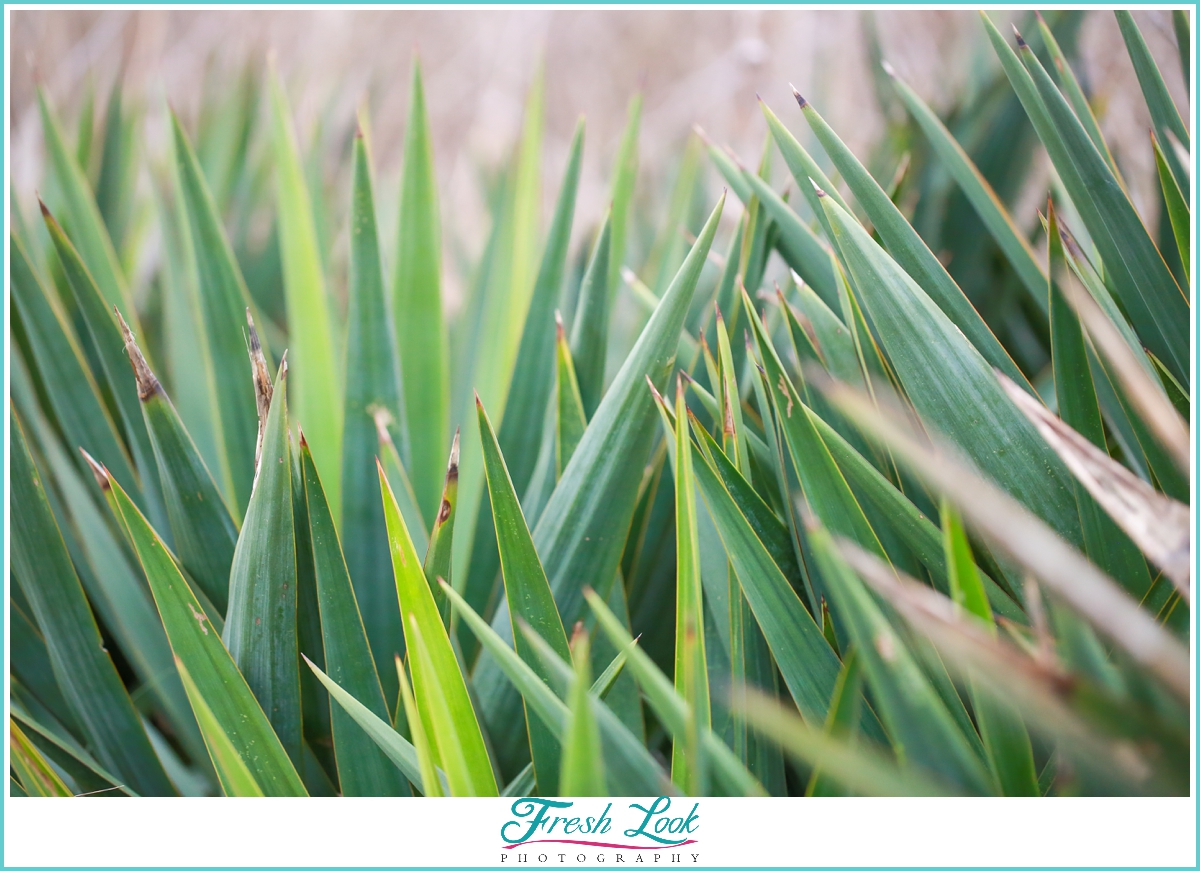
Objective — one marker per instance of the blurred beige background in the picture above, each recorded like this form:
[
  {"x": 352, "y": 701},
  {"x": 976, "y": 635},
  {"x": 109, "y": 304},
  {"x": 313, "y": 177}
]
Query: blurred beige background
[{"x": 695, "y": 66}]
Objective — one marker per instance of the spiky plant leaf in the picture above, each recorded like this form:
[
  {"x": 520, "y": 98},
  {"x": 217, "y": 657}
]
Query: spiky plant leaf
[{"x": 417, "y": 306}]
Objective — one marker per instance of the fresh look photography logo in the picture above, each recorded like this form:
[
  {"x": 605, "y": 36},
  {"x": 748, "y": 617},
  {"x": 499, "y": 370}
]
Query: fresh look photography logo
[{"x": 544, "y": 831}]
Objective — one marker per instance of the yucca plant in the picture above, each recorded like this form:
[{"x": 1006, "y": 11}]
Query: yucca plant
[{"x": 892, "y": 524}]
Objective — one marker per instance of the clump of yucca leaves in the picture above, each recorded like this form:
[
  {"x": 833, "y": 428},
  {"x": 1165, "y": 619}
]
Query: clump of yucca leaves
[{"x": 852, "y": 523}]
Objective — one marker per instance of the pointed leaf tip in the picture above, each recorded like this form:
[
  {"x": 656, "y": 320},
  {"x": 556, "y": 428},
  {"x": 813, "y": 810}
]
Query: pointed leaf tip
[
  {"x": 98, "y": 471},
  {"x": 800, "y": 101},
  {"x": 888, "y": 68},
  {"x": 147, "y": 383}
]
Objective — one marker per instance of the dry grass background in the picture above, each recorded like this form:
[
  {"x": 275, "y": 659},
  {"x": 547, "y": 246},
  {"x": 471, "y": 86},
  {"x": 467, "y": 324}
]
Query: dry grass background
[{"x": 694, "y": 66}]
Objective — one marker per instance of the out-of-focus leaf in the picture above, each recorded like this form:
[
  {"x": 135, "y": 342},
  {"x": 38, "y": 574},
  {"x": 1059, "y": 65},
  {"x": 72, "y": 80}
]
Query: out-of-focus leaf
[
  {"x": 1183, "y": 39},
  {"x": 1080, "y": 412},
  {"x": 977, "y": 190},
  {"x": 348, "y": 658},
  {"x": 82, "y": 667},
  {"x": 1177, "y": 206},
  {"x": 417, "y": 307},
  {"x": 844, "y": 708},
  {"x": 857, "y": 769},
  {"x": 316, "y": 382},
  {"x": 1016, "y": 531},
  {"x": 375, "y": 423},
  {"x": 73, "y": 393},
  {"x": 526, "y": 592},
  {"x": 88, "y": 233},
  {"x": 624, "y": 177},
  {"x": 1159, "y": 525},
  {"x": 589, "y": 330},
  {"x": 260, "y": 626},
  {"x": 533, "y": 376},
  {"x": 223, "y": 302},
  {"x": 438, "y": 672},
  {"x": 1009, "y": 752},
  {"x": 1163, "y": 112},
  {"x": 918, "y": 723},
  {"x": 1078, "y": 100}
]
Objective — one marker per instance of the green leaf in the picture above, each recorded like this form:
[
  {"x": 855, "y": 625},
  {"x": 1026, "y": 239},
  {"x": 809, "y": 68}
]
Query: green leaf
[
  {"x": 1078, "y": 99},
  {"x": 633, "y": 771},
  {"x": 235, "y": 777},
  {"x": 1177, "y": 206},
  {"x": 977, "y": 190},
  {"x": 950, "y": 383},
  {"x": 374, "y": 425},
  {"x": 582, "y": 530},
  {"x": 589, "y": 329},
  {"x": 1036, "y": 548},
  {"x": 807, "y": 663},
  {"x": 195, "y": 641},
  {"x": 824, "y": 487},
  {"x": 858, "y": 769},
  {"x": 116, "y": 184},
  {"x": 260, "y": 626},
  {"x": 1163, "y": 112},
  {"x": 526, "y": 591},
  {"x": 82, "y": 668},
  {"x": 347, "y": 655},
  {"x": 107, "y": 341},
  {"x": 68, "y": 746},
  {"x": 425, "y": 758},
  {"x": 914, "y": 528},
  {"x": 73, "y": 393},
  {"x": 402, "y": 754},
  {"x": 844, "y": 709},
  {"x": 1009, "y": 752},
  {"x": 203, "y": 531},
  {"x": 316, "y": 386},
  {"x": 440, "y": 548},
  {"x": 676, "y": 714},
  {"x": 624, "y": 177},
  {"x": 533, "y": 376},
  {"x": 83, "y": 215},
  {"x": 1079, "y": 408},
  {"x": 224, "y": 301},
  {"x": 438, "y": 672},
  {"x": 1183, "y": 39},
  {"x": 1133, "y": 267},
  {"x": 920, "y": 727},
  {"x": 582, "y": 761},
  {"x": 800, "y": 247},
  {"x": 417, "y": 306},
  {"x": 570, "y": 420},
  {"x": 691, "y": 675},
  {"x": 37, "y": 776},
  {"x": 903, "y": 243}
]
